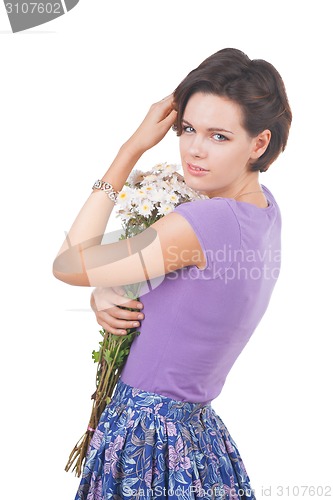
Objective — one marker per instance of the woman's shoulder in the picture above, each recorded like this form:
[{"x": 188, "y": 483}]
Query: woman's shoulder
[
  {"x": 245, "y": 208},
  {"x": 207, "y": 212},
  {"x": 210, "y": 216},
  {"x": 204, "y": 205}
]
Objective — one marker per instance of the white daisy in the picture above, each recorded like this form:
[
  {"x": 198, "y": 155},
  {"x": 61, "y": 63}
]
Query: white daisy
[
  {"x": 165, "y": 208},
  {"x": 150, "y": 191},
  {"x": 182, "y": 190},
  {"x": 135, "y": 176},
  {"x": 125, "y": 214},
  {"x": 125, "y": 196},
  {"x": 145, "y": 208},
  {"x": 149, "y": 178},
  {"x": 172, "y": 197},
  {"x": 160, "y": 196},
  {"x": 158, "y": 168},
  {"x": 139, "y": 194},
  {"x": 170, "y": 168},
  {"x": 163, "y": 185}
]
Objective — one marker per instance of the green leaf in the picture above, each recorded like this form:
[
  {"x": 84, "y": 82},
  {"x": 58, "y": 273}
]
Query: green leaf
[
  {"x": 95, "y": 356},
  {"x": 108, "y": 356}
]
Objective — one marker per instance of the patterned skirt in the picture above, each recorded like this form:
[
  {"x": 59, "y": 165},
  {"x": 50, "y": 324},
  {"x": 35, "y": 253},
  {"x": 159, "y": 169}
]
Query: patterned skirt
[{"x": 149, "y": 446}]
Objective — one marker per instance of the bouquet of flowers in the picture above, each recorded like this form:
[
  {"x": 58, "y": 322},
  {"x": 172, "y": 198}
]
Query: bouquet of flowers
[{"x": 145, "y": 198}]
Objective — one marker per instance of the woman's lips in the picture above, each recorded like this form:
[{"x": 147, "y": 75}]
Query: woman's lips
[{"x": 195, "y": 169}]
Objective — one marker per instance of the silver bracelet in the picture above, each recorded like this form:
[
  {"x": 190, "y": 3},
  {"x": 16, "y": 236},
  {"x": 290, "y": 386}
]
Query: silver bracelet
[{"x": 108, "y": 188}]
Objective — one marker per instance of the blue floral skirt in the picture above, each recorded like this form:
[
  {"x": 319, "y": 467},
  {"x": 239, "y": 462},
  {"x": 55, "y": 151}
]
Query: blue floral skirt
[{"x": 149, "y": 446}]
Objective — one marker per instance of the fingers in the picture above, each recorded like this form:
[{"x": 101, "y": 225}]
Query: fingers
[
  {"x": 103, "y": 298},
  {"x": 117, "y": 321},
  {"x": 170, "y": 97},
  {"x": 159, "y": 119},
  {"x": 170, "y": 118},
  {"x": 170, "y": 113},
  {"x": 164, "y": 113},
  {"x": 167, "y": 103},
  {"x": 109, "y": 316},
  {"x": 124, "y": 314}
]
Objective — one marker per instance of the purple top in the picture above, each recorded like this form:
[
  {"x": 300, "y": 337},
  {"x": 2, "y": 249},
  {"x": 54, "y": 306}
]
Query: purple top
[{"x": 197, "y": 322}]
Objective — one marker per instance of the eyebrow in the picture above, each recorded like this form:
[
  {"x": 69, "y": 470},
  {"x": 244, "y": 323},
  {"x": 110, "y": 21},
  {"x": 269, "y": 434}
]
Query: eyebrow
[{"x": 211, "y": 129}]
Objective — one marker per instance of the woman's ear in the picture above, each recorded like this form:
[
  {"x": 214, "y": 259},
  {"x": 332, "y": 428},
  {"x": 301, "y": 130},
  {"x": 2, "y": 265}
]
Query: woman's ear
[{"x": 261, "y": 144}]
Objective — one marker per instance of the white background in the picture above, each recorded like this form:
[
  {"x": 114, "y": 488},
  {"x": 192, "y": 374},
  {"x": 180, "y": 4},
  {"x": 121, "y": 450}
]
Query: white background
[{"x": 72, "y": 91}]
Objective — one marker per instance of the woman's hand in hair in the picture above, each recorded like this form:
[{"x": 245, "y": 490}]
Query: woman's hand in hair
[
  {"x": 105, "y": 303},
  {"x": 159, "y": 119}
]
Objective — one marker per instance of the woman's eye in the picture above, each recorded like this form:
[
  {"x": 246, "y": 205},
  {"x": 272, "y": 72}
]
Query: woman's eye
[
  {"x": 220, "y": 137},
  {"x": 187, "y": 128}
]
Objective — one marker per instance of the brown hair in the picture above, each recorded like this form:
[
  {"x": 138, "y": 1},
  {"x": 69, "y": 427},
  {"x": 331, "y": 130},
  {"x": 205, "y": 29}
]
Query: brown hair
[{"x": 255, "y": 85}]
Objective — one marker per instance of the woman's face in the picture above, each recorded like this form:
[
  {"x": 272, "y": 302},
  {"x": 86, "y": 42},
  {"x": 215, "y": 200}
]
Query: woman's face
[{"x": 214, "y": 139}]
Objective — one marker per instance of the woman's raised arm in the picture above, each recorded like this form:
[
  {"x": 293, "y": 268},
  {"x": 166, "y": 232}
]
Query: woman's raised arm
[{"x": 165, "y": 246}]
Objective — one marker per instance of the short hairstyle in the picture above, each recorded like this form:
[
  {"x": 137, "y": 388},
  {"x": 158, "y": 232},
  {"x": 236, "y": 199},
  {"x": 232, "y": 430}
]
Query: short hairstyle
[{"x": 255, "y": 85}]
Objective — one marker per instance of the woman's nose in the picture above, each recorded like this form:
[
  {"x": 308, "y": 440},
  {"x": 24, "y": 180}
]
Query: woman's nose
[{"x": 197, "y": 148}]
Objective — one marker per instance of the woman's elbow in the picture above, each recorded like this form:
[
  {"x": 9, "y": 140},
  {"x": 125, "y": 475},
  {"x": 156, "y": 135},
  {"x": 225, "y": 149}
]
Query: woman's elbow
[
  {"x": 75, "y": 279},
  {"x": 68, "y": 267}
]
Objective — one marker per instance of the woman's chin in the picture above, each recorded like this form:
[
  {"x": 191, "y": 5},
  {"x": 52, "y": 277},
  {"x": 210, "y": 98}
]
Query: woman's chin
[{"x": 194, "y": 184}]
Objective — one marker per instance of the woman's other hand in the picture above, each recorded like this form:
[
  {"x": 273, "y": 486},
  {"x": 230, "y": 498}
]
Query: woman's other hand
[
  {"x": 159, "y": 119},
  {"x": 105, "y": 303}
]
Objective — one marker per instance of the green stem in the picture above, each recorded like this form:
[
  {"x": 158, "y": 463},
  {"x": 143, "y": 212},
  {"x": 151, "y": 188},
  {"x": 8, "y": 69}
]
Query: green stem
[{"x": 103, "y": 383}]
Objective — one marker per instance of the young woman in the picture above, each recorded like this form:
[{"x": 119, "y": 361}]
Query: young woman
[{"x": 217, "y": 260}]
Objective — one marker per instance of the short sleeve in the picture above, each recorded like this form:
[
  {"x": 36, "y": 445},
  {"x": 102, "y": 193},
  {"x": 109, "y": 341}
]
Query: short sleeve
[{"x": 218, "y": 231}]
